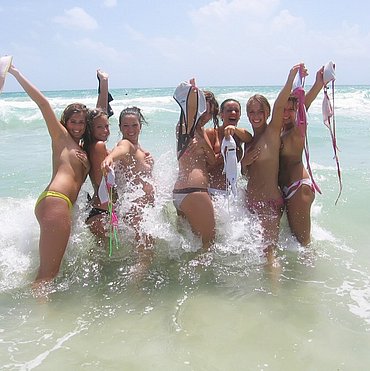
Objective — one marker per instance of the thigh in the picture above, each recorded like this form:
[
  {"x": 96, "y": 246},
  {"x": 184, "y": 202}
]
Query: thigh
[
  {"x": 270, "y": 223},
  {"x": 299, "y": 213},
  {"x": 98, "y": 225},
  {"x": 198, "y": 210},
  {"x": 54, "y": 217}
]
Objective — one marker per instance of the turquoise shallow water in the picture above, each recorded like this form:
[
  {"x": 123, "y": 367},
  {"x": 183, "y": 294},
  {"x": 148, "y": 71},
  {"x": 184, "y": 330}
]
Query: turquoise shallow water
[{"x": 226, "y": 313}]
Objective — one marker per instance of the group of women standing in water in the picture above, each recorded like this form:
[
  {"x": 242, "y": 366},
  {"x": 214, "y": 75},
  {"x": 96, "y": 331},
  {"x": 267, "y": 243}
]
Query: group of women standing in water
[
  {"x": 78, "y": 149},
  {"x": 271, "y": 160}
]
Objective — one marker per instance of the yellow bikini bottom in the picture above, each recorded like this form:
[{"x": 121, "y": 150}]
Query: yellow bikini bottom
[{"x": 54, "y": 194}]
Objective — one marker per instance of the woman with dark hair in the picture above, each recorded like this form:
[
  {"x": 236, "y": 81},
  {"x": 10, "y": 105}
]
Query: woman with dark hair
[
  {"x": 70, "y": 168},
  {"x": 133, "y": 166},
  {"x": 230, "y": 112},
  {"x": 294, "y": 179}
]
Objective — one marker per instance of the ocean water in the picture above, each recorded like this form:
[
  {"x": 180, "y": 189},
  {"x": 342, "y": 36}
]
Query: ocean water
[{"x": 218, "y": 311}]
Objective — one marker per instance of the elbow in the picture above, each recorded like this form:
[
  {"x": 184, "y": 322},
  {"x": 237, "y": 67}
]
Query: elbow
[{"x": 43, "y": 104}]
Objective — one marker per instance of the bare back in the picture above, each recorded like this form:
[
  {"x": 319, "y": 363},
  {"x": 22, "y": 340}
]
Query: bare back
[{"x": 193, "y": 167}]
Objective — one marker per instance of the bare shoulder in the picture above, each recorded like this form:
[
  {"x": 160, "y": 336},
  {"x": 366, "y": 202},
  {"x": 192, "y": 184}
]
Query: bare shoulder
[
  {"x": 124, "y": 143},
  {"x": 97, "y": 151},
  {"x": 61, "y": 138},
  {"x": 245, "y": 136},
  {"x": 272, "y": 135},
  {"x": 101, "y": 147},
  {"x": 124, "y": 146}
]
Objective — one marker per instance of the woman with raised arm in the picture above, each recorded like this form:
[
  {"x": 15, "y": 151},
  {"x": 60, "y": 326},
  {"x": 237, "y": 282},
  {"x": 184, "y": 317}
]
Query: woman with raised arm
[
  {"x": 98, "y": 133},
  {"x": 261, "y": 163},
  {"x": 190, "y": 193},
  {"x": 70, "y": 167},
  {"x": 294, "y": 180}
]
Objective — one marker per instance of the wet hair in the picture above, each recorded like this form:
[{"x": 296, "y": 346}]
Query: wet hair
[
  {"x": 92, "y": 114},
  {"x": 210, "y": 97},
  {"x": 132, "y": 111},
  {"x": 70, "y": 110},
  {"x": 136, "y": 111},
  {"x": 223, "y": 104},
  {"x": 262, "y": 101}
]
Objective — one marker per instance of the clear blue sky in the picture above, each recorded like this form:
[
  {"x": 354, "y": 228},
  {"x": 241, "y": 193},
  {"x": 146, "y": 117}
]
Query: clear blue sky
[{"x": 157, "y": 43}]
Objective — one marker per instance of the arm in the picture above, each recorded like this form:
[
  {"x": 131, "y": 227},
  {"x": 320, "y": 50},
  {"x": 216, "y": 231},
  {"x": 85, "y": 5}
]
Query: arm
[
  {"x": 100, "y": 151},
  {"x": 315, "y": 89},
  {"x": 121, "y": 152},
  {"x": 55, "y": 128},
  {"x": 149, "y": 160},
  {"x": 211, "y": 135},
  {"x": 242, "y": 134},
  {"x": 282, "y": 99},
  {"x": 250, "y": 156},
  {"x": 97, "y": 153},
  {"x": 103, "y": 91}
]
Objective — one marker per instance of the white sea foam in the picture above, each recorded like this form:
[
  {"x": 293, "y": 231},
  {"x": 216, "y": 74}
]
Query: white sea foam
[
  {"x": 18, "y": 242},
  {"x": 360, "y": 299}
]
